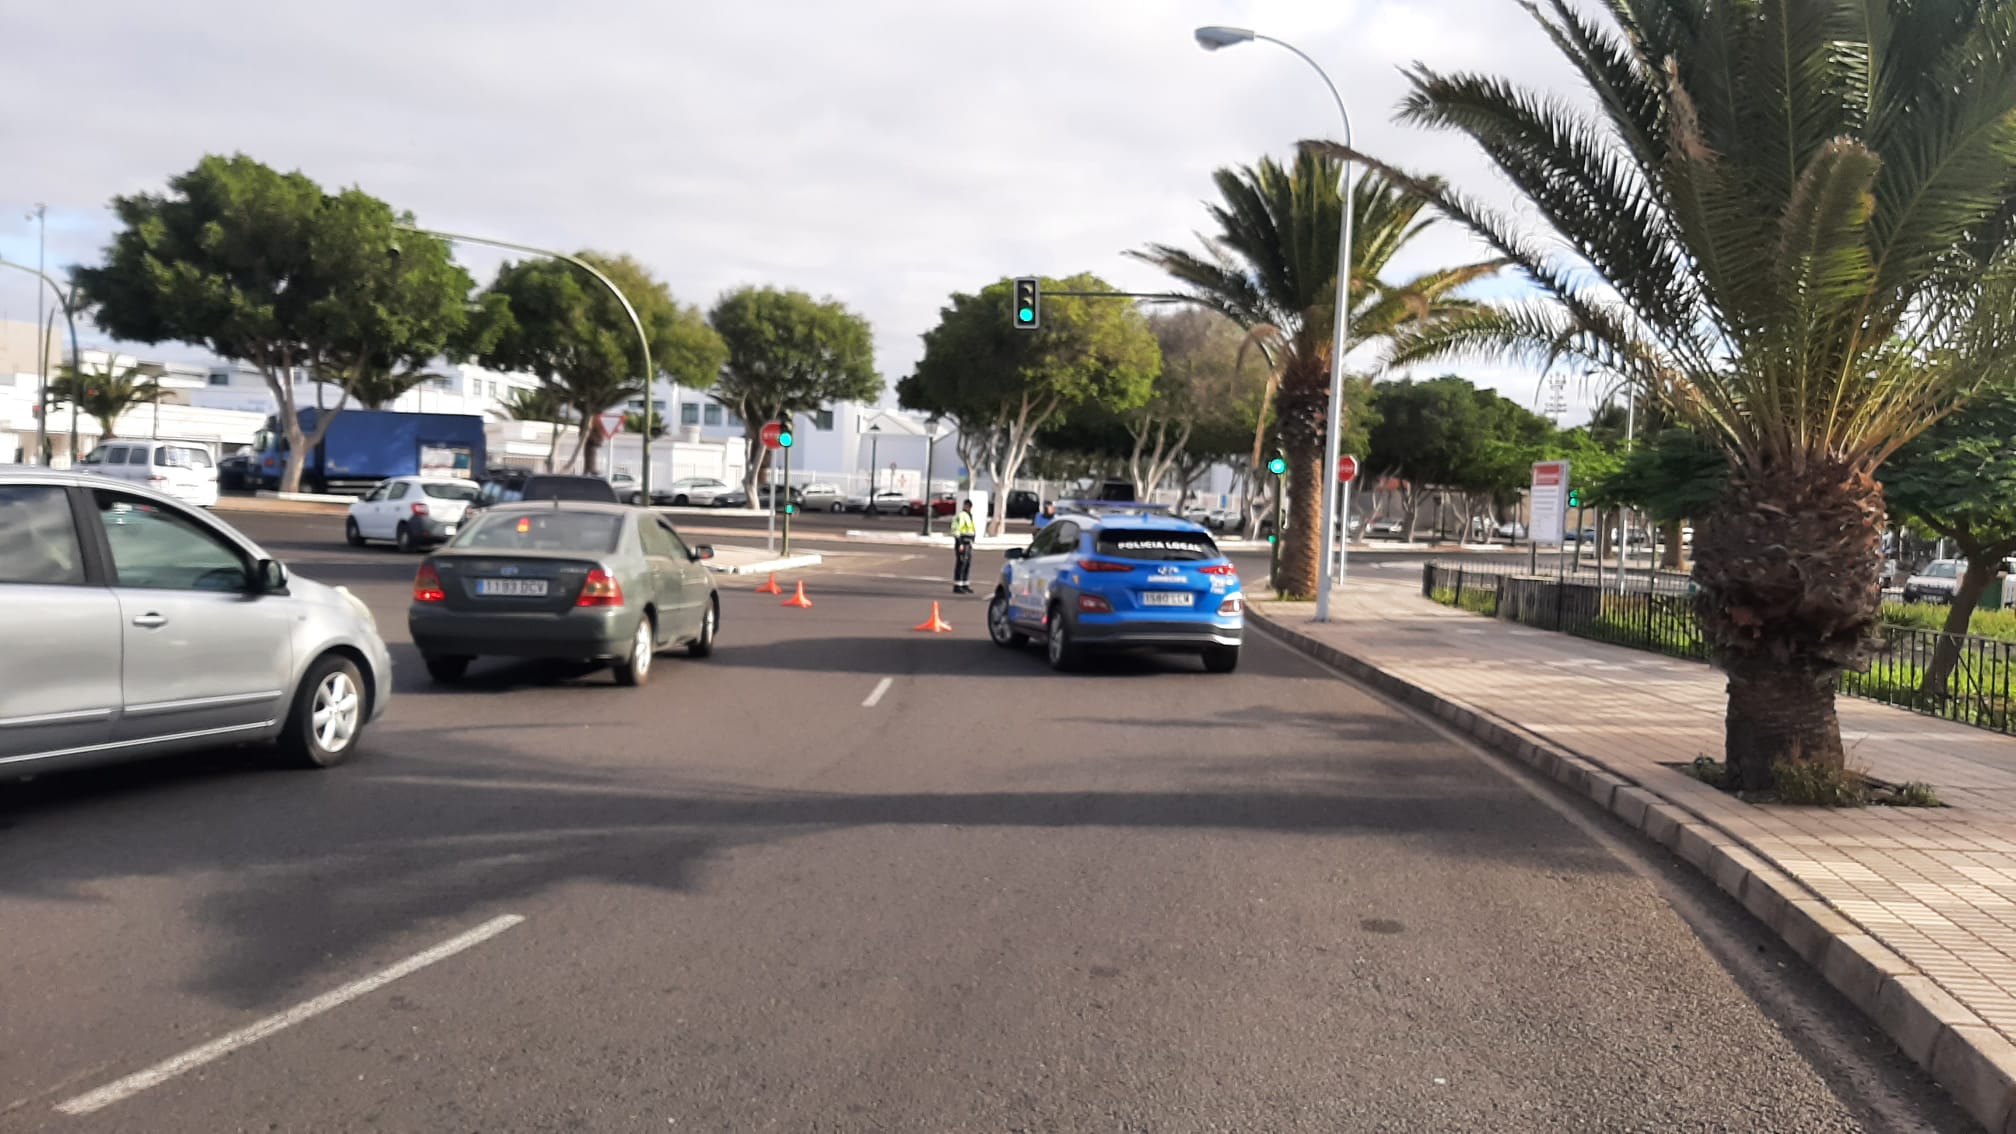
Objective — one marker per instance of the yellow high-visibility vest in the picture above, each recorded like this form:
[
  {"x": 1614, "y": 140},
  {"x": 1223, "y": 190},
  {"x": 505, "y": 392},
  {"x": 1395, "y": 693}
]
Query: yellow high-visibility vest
[{"x": 962, "y": 524}]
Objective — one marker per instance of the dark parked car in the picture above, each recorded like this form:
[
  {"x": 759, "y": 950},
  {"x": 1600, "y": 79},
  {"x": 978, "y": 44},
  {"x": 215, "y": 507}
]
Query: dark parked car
[
  {"x": 513, "y": 488},
  {"x": 234, "y": 474},
  {"x": 566, "y": 580},
  {"x": 1023, "y": 504}
]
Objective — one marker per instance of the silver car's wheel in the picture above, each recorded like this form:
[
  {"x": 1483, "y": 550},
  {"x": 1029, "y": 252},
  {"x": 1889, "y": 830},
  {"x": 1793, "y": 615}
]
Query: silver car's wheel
[
  {"x": 338, "y": 707},
  {"x": 636, "y": 669},
  {"x": 328, "y": 714}
]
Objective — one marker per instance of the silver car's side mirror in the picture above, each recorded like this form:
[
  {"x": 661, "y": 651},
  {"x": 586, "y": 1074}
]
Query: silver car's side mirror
[{"x": 268, "y": 575}]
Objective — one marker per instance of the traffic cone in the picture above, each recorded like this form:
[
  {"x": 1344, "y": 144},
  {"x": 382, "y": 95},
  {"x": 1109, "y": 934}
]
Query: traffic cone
[
  {"x": 935, "y": 625},
  {"x": 771, "y": 587},
  {"x": 799, "y": 599}
]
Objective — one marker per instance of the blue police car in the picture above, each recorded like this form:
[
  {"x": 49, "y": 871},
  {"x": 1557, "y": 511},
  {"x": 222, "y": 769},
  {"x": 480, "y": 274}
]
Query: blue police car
[{"x": 1117, "y": 576}]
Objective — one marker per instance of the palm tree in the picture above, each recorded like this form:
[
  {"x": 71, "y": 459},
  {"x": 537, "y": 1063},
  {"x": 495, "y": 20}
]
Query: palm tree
[
  {"x": 1790, "y": 220},
  {"x": 541, "y": 404},
  {"x": 107, "y": 394},
  {"x": 1272, "y": 269}
]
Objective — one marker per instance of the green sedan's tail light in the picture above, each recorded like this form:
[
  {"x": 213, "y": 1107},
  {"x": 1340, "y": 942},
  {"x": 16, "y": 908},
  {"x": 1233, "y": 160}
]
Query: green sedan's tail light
[
  {"x": 427, "y": 585},
  {"x": 601, "y": 589}
]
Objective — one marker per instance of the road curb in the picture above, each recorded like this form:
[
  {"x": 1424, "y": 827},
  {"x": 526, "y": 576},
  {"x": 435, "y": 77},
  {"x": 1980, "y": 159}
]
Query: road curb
[
  {"x": 1975, "y": 1064},
  {"x": 765, "y": 566}
]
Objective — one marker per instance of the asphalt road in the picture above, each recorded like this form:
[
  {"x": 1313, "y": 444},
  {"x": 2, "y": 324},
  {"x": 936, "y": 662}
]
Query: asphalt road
[{"x": 843, "y": 876}]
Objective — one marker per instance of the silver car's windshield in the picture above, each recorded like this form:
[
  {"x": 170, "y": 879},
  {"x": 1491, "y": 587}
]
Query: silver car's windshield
[{"x": 545, "y": 531}]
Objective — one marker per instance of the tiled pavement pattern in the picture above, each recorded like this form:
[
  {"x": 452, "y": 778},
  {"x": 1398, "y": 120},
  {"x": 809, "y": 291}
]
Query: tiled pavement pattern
[{"x": 1935, "y": 885}]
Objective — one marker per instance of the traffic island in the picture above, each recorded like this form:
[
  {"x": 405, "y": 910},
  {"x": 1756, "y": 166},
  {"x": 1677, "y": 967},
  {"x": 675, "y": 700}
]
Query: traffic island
[{"x": 1908, "y": 911}]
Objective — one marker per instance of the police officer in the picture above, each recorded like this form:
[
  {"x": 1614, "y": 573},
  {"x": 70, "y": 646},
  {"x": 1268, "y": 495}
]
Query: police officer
[
  {"x": 964, "y": 531},
  {"x": 1044, "y": 517}
]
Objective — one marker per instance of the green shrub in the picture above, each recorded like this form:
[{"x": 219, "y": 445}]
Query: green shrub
[
  {"x": 1818, "y": 785},
  {"x": 1997, "y": 624}
]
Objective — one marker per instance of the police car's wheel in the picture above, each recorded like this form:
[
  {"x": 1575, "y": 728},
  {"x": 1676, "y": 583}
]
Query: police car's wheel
[
  {"x": 1221, "y": 659},
  {"x": 1063, "y": 652},
  {"x": 999, "y": 628}
]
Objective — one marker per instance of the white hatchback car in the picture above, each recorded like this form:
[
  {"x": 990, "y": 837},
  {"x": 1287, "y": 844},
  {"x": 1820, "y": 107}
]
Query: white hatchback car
[
  {"x": 411, "y": 511},
  {"x": 181, "y": 469}
]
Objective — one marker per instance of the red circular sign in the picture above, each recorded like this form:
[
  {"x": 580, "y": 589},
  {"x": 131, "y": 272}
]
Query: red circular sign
[
  {"x": 772, "y": 435},
  {"x": 1347, "y": 469}
]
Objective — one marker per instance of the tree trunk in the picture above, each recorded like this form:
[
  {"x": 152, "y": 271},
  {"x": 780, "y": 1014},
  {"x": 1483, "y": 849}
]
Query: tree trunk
[
  {"x": 1787, "y": 566},
  {"x": 1982, "y": 568},
  {"x": 1302, "y": 402},
  {"x": 1670, "y": 559},
  {"x": 1779, "y": 715}
]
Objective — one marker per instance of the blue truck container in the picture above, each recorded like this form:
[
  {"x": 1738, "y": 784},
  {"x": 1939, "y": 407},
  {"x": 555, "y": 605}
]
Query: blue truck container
[{"x": 364, "y": 447}]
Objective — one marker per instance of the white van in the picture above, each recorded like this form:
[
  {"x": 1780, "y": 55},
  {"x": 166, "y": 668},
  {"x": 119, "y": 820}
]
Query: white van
[{"x": 181, "y": 469}]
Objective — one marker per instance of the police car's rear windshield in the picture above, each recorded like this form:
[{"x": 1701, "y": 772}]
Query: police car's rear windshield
[{"x": 1154, "y": 545}]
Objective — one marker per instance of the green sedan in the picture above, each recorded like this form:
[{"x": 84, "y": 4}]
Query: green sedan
[{"x": 564, "y": 579}]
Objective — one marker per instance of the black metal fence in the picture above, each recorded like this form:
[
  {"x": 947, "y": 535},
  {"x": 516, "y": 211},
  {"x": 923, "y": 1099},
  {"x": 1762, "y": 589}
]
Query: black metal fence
[{"x": 1660, "y": 617}]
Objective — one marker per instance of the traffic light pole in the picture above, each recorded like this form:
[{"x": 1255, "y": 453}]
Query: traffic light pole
[{"x": 787, "y": 491}]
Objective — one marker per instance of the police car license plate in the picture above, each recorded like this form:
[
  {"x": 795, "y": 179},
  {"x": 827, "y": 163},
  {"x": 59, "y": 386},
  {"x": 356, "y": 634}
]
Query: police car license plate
[
  {"x": 523, "y": 588},
  {"x": 1167, "y": 598}
]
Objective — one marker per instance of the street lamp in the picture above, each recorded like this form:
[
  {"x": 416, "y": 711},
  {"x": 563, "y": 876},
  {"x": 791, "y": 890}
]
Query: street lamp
[
  {"x": 1211, "y": 39},
  {"x": 64, "y": 300},
  {"x": 643, "y": 340}
]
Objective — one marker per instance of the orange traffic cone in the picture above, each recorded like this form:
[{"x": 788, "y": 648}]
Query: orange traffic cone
[
  {"x": 771, "y": 587},
  {"x": 799, "y": 599},
  {"x": 935, "y": 625}
]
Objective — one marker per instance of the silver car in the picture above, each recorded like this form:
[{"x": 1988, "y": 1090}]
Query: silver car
[{"x": 138, "y": 625}]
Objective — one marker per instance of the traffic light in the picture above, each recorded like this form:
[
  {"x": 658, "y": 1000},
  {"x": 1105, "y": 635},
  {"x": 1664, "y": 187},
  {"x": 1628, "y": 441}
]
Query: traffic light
[
  {"x": 1028, "y": 303},
  {"x": 1574, "y": 498},
  {"x": 783, "y": 434},
  {"x": 1278, "y": 466}
]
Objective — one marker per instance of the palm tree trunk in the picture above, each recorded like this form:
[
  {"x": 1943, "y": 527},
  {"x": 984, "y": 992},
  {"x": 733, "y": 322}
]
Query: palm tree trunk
[
  {"x": 1302, "y": 402},
  {"x": 1983, "y": 567},
  {"x": 1788, "y": 568}
]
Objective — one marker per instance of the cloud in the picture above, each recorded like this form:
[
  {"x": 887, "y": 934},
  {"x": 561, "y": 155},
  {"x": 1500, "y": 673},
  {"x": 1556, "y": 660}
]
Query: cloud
[{"x": 884, "y": 152}]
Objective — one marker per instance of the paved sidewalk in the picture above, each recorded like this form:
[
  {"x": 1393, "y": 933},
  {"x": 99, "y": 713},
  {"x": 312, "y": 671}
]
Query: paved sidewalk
[{"x": 1936, "y": 886}]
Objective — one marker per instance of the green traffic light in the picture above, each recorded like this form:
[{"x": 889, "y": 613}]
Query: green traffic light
[
  {"x": 1277, "y": 466},
  {"x": 1027, "y": 315},
  {"x": 1574, "y": 498},
  {"x": 790, "y": 509},
  {"x": 784, "y": 439},
  {"x": 1272, "y": 537}
]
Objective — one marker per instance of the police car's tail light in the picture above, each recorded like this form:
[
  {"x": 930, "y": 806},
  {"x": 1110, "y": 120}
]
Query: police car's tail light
[
  {"x": 1219, "y": 569},
  {"x": 1102, "y": 565},
  {"x": 1233, "y": 605},
  {"x": 1093, "y": 604}
]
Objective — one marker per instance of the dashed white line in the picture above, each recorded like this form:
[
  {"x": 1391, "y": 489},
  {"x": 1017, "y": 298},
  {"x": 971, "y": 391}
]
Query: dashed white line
[
  {"x": 881, "y": 687},
  {"x": 226, "y": 1044}
]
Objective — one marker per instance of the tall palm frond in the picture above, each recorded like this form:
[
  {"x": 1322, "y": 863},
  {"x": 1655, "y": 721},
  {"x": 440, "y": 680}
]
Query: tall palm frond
[{"x": 1788, "y": 220}]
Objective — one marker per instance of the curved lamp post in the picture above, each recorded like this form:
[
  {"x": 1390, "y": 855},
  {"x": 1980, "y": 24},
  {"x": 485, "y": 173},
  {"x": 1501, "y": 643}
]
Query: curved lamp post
[
  {"x": 643, "y": 340},
  {"x": 1211, "y": 39}
]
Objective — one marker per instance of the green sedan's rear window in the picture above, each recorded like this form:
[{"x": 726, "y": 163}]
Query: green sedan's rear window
[{"x": 544, "y": 531}]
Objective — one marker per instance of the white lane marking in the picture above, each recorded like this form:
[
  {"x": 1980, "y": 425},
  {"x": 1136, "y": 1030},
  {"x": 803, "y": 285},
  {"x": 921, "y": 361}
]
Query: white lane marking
[
  {"x": 226, "y": 1044},
  {"x": 881, "y": 687}
]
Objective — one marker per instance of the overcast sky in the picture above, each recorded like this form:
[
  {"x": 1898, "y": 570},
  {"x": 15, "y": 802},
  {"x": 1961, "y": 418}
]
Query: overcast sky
[{"x": 883, "y": 152}]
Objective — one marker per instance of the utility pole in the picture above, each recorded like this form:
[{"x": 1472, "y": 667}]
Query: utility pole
[{"x": 40, "y": 217}]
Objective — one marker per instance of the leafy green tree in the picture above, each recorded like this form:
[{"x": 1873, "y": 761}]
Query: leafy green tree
[
  {"x": 788, "y": 354},
  {"x": 1003, "y": 385},
  {"x": 1958, "y": 480},
  {"x": 1272, "y": 269},
  {"x": 538, "y": 404},
  {"x": 1677, "y": 477},
  {"x": 1447, "y": 433},
  {"x": 561, "y": 324},
  {"x": 1790, "y": 220},
  {"x": 267, "y": 268},
  {"x": 633, "y": 424},
  {"x": 105, "y": 394}
]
